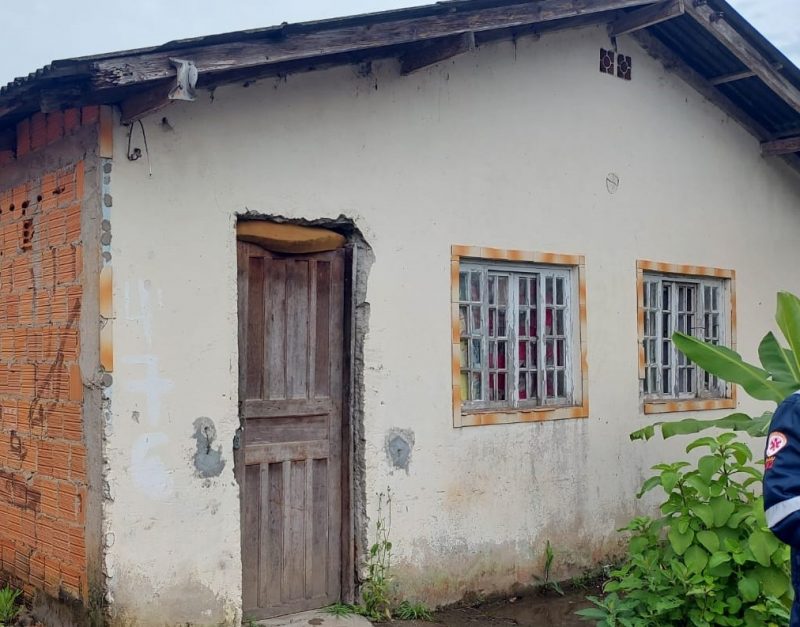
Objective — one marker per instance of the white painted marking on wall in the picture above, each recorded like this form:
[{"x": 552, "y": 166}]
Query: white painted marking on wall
[
  {"x": 152, "y": 386},
  {"x": 150, "y": 474}
]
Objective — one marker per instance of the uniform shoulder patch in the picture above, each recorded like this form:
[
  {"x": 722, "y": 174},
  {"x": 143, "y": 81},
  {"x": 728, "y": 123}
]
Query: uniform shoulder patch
[
  {"x": 775, "y": 442},
  {"x": 769, "y": 463}
]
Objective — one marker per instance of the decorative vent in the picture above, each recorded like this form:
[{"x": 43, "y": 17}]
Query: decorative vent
[
  {"x": 607, "y": 61},
  {"x": 623, "y": 67}
]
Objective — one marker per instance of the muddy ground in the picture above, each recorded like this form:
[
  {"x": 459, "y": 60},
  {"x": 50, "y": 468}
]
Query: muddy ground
[{"x": 537, "y": 609}]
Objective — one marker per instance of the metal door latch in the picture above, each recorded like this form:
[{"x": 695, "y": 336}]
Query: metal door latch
[{"x": 237, "y": 439}]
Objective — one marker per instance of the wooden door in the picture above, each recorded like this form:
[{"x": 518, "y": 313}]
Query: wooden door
[{"x": 289, "y": 461}]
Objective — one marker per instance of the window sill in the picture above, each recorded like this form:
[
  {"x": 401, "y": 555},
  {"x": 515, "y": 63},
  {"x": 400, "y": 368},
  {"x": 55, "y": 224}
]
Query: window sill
[
  {"x": 477, "y": 418},
  {"x": 671, "y": 406}
]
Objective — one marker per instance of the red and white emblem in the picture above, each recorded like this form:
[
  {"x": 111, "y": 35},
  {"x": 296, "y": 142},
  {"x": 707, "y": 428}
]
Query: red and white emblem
[{"x": 775, "y": 442}]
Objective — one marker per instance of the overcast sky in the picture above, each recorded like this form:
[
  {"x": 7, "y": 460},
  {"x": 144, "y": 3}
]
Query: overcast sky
[{"x": 38, "y": 31}]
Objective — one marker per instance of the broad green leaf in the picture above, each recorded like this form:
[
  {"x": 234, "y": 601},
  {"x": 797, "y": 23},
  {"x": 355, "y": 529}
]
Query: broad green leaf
[
  {"x": 709, "y": 539},
  {"x": 638, "y": 544},
  {"x": 705, "y": 513},
  {"x": 680, "y": 541},
  {"x": 708, "y": 441},
  {"x": 669, "y": 480},
  {"x": 776, "y": 360},
  {"x": 787, "y": 316},
  {"x": 748, "y": 588},
  {"x": 648, "y": 485},
  {"x": 763, "y": 545},
  {"x": 722, "y": 509},
  {"x": 708, "y": 465},
  {"x": 720, "y": 557},
  {"x": 729, "y": 366},
  {"x": 695, "y": 558},
  {"x": 774, "y": 581}
]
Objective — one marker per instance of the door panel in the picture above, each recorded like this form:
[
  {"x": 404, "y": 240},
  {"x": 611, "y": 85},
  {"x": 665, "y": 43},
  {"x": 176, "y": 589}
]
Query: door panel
[{"x": 289, "y": 463}]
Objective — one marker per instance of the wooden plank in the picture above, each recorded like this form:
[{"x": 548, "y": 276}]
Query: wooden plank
[
  {"x": 320, "y": 528},
  {"x": 254, "y": 364},
  {"x": 729, "y": 78},
  {"x": 286, "y": 451},
  {"x": 784, "y": 146},
  {"x": 294, "y": 547},
  {"x": 348, "y": 551},
  {"x": 297, "y": 332},
  {"x": 280, "y": 47},
  {"x": 144, "y": 103},
  {"x": 723, "y": 32},
  {"x": 308, "y": 527},
  {"x": 276, "y": 330},
  {"x": 287, "y": 429},
  {"x": 322, "y": 331},
  {"x": 272, "y": 565},
  {"x": 290, "y": 407},
  {"x": 251, "y": 497},
  {"x": 648, "y": 16},
  {"x": 436, "y": 51}
]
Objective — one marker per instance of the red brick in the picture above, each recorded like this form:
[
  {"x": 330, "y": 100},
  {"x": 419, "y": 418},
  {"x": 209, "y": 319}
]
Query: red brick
[
  {"x": 23, "y": 137},
  {"x": 72, "y": 120},
  {"x": 90, "y": 115},
  {"x": 55, "y": 126},
  {"x": 38, "y": 131}
]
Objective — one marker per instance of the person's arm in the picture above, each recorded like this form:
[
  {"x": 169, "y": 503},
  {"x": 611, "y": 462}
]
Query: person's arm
[{"x": 782, "y": 472}]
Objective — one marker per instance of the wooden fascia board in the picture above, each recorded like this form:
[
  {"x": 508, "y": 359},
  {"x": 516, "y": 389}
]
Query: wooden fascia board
[
  {"x": 436, "y": 51},
  {"x": 648, "y": 16},
  {"x": 785, "y": 146},
  {"x": 716, "y": 26},
  {"x": 153, "y": 66}
]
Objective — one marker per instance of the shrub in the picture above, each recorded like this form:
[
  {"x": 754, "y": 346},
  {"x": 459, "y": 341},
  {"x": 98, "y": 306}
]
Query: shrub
[{"x": 710, "y": 559}]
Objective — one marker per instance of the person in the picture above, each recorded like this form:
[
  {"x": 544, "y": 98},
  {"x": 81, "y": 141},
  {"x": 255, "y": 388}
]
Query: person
[{"x": 782, "y": 486}]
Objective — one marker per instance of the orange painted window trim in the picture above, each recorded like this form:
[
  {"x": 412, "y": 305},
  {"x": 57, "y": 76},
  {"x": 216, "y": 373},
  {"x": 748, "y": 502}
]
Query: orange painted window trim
[
  {"x": 462, "y": 418},
  {"x": 678, "y": 405}
]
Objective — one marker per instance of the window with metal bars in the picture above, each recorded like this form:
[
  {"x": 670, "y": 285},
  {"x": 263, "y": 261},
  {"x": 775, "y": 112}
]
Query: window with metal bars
[
  {"x": 516, "y": 330},
  {"x": 696, "y": 306}
]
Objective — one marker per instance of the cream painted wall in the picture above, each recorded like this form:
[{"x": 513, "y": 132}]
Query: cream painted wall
[{"x": 508, "y": 146}]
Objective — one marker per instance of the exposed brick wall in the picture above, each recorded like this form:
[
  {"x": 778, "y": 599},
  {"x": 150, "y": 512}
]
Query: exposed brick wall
[{"x": 43, "y": 481}]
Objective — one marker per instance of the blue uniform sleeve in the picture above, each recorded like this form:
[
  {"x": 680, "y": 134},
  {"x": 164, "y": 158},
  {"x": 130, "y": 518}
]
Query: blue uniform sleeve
[{"x": 782, "y": 472}]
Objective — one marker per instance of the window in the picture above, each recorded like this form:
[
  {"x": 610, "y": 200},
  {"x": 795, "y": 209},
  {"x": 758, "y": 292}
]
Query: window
[
  {"x": 691, "y": 300},
  {"x": 518, "y": 331}
]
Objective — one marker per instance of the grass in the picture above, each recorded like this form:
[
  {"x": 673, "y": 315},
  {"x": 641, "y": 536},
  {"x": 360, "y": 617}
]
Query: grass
[
  {"x": 8, "y": 604},
  {"x": 413, "y": 611},
  {"x": 341, "y": 610}
]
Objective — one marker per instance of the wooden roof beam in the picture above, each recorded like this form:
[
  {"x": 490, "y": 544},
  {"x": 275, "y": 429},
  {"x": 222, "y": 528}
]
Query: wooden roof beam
[
  {"x": 216, "y": 58},
  {"x": 714, "y": 23},
  {"x": 648, "y": 16},
  {"x": 785, "y": 146},
  {"x": 436, "y": 51},
  {"x": 737, "y": 76}
]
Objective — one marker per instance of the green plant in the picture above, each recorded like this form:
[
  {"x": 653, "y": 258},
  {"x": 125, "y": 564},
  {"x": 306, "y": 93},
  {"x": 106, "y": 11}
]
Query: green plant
[
  {"x": 413, "y": 611},
  {"x": 376, "y": 588},
  {"x": 547, "y": 582},
  {"x": 710, "y": 559},
  {"x": 8, "y": 603},
  {"x": 778, "y": 376},
  {"x": 341, "y": 609}
]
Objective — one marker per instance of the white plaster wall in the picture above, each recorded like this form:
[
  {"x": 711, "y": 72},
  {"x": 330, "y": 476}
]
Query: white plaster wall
[{"x": 508, "y": 146}]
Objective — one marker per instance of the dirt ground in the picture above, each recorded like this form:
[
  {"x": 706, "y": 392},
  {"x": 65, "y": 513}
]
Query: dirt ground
[{"x": 536, "y": 609}]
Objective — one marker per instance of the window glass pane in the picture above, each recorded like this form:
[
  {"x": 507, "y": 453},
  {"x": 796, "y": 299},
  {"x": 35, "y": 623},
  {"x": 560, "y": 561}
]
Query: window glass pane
[{"x": 463, "y": 282}]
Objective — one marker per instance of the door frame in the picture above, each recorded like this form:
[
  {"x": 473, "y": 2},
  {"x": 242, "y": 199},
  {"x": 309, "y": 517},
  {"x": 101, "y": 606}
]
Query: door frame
[{"x": 353, "y": 540}]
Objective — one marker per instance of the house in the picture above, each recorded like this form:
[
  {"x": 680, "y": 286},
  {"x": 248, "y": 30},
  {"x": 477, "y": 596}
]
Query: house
[{"x": 251, "y": 281}]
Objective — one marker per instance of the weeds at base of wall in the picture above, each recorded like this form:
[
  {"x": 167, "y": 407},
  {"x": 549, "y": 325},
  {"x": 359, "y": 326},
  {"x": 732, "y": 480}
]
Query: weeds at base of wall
[
  {"x": 8, "y": 604},
  {"x": 377, "y": 600}
]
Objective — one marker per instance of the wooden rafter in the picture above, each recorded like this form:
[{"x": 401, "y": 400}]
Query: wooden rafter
[
  {"x": 436, "y": 51},
  {"x": 785, "y": 146},
  {"x": 648, "y": 16},
  {"x": 718, "y": 27},
  {"x": 143, "y": 68},
  {"x": 737, "y": 76}
]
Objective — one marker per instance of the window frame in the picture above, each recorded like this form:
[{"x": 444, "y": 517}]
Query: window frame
[
  {"x": 700, "y": 276},
  {"x": 571, "y": 267}
]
